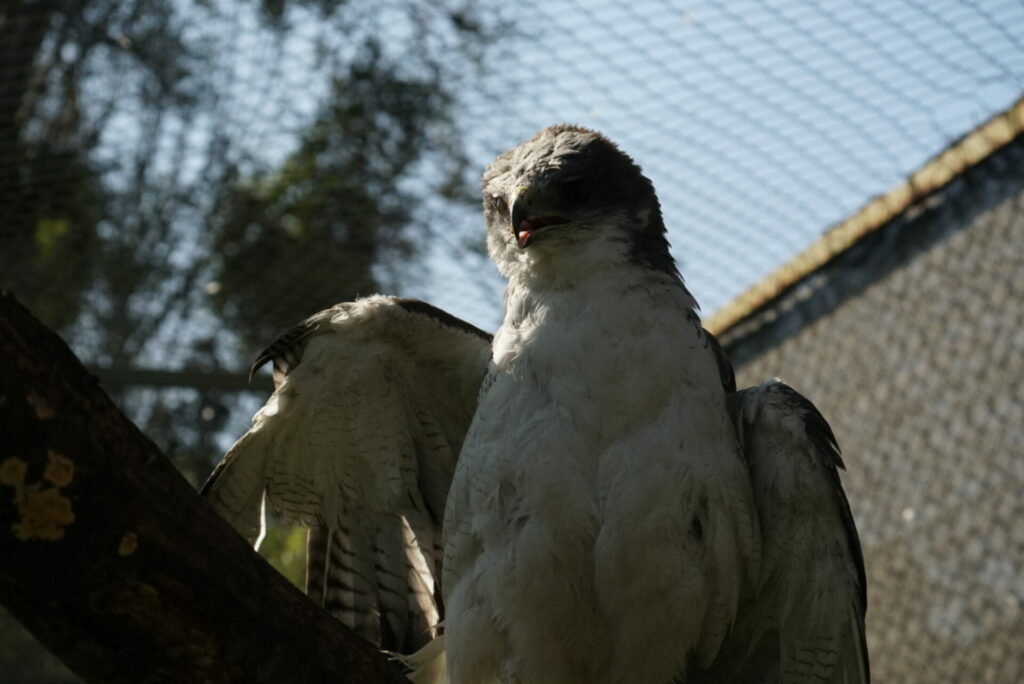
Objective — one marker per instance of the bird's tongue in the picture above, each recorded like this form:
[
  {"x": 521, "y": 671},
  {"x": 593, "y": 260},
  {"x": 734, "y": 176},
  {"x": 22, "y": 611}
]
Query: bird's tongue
[{"x": 528, "y": 226}]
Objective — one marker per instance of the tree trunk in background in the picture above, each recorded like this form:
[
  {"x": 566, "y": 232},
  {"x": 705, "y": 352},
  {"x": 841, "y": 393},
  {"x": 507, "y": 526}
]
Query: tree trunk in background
[{"x": 117, "y": 565}]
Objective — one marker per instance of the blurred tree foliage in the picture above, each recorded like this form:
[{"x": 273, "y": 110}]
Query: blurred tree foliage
[
  {"x": 336, "y": 202},
  {"x": 87, "y": 218},
  {"x": 145, "y": 215}
]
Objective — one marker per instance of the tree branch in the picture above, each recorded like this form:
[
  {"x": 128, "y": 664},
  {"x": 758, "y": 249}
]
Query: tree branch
[{"x": 117, "y": 565}]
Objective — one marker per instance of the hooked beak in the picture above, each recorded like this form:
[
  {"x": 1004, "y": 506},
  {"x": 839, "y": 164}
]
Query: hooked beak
[{"x": 525, "y": 224}]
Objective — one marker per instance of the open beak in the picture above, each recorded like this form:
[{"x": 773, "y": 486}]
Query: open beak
[{"x": 525, "y": 224}]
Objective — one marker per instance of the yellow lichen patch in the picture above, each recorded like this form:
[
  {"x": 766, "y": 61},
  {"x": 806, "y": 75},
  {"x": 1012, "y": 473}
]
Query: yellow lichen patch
[
  {"x": 12, "y": 472},
  {"x": 44, "y": 515},
  {"x": 40, "y": 405},
  {"x": 59, "y": 469},
  {"x": 43, "y": 512},
  {"x": 129, "y": 542}
]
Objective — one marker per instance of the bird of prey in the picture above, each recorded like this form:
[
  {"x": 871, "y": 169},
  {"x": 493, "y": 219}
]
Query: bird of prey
[{"x": 583, "y": 497}]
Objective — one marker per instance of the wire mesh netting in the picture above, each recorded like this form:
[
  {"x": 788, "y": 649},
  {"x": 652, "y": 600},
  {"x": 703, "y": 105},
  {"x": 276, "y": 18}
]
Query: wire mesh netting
[
  {"x": 181, "y": 180},
  {"x": 911, "y": 346}
]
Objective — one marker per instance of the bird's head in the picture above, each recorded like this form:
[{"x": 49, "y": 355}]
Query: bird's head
[{"x": 568, "y": 200}]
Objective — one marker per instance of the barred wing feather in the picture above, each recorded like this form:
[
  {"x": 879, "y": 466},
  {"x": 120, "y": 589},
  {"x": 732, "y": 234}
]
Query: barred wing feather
[{"x": 359, "y": 441}]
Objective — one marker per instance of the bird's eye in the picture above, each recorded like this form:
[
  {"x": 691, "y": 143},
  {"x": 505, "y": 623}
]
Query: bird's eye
[{"x": 576, "y": 191}]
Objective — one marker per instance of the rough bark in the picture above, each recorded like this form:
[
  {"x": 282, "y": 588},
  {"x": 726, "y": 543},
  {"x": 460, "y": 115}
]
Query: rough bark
[{"x": 117, "y": 565}]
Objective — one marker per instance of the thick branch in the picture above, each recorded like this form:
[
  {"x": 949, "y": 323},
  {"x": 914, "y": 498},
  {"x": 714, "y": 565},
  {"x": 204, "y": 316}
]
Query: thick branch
[{"x": 115, "y": 563}]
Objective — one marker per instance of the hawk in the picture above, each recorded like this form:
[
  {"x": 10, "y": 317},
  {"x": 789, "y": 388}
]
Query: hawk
[{"x": 583, "y": 497}]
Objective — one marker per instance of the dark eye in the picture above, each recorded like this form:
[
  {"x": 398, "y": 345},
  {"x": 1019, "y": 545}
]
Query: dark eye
[{"x": 576, "y": 191}]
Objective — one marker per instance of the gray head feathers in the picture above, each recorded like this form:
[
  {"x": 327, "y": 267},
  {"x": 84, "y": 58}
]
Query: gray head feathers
[{"x": 580, "y": 180}]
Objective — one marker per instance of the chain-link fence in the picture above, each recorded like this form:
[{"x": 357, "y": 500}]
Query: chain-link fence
[{"x": 182, "y": 179}]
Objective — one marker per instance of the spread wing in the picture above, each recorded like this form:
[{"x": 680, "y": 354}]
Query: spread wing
[
  {"x": 804, "y": 621},
  {"x": 359, "y": 441}
]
